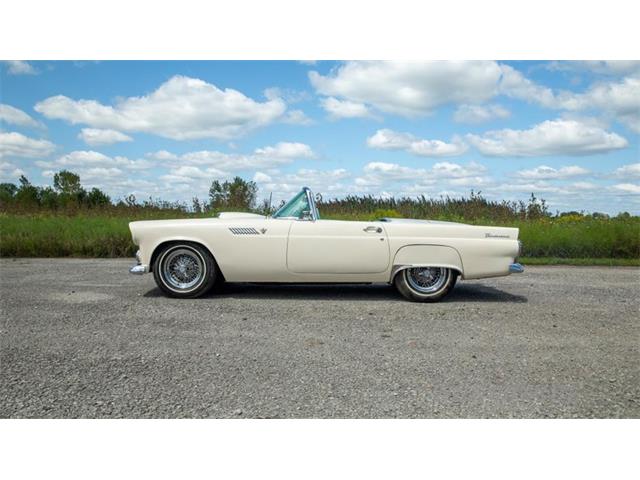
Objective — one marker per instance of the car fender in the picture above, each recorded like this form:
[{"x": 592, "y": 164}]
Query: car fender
[{"x": 426, "y": 256}]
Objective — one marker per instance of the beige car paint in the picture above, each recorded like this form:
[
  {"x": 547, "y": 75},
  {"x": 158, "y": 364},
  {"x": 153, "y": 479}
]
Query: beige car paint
[{"x": 253, "y": 248}]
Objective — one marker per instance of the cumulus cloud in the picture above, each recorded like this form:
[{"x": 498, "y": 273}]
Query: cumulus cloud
[
  {"x": 381, "y": 173},
  {"x": 417, "y": 88},
  {"x": 410, "y": 88},
  {"x": 96, "y": 136},
  {"x": 284, "y": 185},
  {"x": 386, "y": 139},
  {"x": 181, "y": 108},
  {"x": 10, "y": 172},
  {"x": 345, "y": 109},
  {"x": 15, "y": 116},
  {"x": 14, "y": 144},
  {"x": 297, "y": 117},
  {"x": 20, "y": 67},
  {"x": 627, "y": 188},
  {"x": 544, "y": 172},
  {"x": 92, "y": 161},
  {"x": 628, "y": 171},
  {"x": 479, "y": 113},
  {"x": 551, "y": 137},
  {"x": 602, "y": 67},
  {"x": 199, "y": 165},
  {"x": 619, "y": 99}
]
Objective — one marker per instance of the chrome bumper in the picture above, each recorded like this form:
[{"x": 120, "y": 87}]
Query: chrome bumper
[
  {"x": 516, "y": 268},
  {"x": 138, "y": 268}
]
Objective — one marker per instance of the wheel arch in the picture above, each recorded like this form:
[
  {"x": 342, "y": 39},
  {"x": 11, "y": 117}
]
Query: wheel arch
[
  {"x": 177, "y": 241},
  {"x": 426, "y": 255}
]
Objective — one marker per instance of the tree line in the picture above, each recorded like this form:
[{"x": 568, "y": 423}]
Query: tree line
[{"x": 67, "y": 193}]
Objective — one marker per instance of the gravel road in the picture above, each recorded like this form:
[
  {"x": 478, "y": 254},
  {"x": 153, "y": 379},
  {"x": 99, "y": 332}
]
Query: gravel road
[{"x": 83, "y": 338}]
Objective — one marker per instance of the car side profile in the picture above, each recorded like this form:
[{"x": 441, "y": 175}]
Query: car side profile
[{"x": 422, "y": 258}]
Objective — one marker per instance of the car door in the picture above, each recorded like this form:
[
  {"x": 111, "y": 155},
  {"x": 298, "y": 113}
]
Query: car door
[{"x": 334, "y": 246}]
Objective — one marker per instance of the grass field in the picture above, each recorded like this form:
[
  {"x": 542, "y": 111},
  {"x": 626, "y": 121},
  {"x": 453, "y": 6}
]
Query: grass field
[{"x": 572, "y": 240}]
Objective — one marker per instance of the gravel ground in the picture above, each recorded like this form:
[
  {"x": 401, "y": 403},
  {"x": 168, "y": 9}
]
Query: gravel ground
[{"x": 83, "y": 338}]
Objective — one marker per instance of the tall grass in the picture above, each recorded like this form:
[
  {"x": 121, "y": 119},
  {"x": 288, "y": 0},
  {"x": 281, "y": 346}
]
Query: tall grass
[{"x": 106, "y": 234}]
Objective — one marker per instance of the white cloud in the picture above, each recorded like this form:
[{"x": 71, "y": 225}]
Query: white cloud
[
  {"x": 544, "y": 172},
  {"x": 297, "y": 117},
  {"x": 10, "y": 172},
  {"x": 15, "y": 116},
  {"x": 96, "y": 136},
  {"x": 514, "y": 84},
  {"x": 209, "y": 164},
  {"x": 410, "y": 88},
  {"x": 417, "y": 88},
  {"x": 383, "y": 173},
  {"x": 181, "y": 108},
  {"x": 20, "y": 67},
  {"x": 602, "y": 67},
  {"x": 618, "y": 99},
  {"x": 386, "y": 139},
  {"x": 14, "y": 144},
  {"x": 479, "y": 113},
  {"x": 162, "y": 155},
  {"x": 261, "y": 177},
  {"x": 628, "y": 171},
  {"x": 345, "y": 109},
  {"x": 86, "y": 159},
  {"x": 286, "y": 151},
  {"x": 327, "y": 182},
  {"x": 551, "y": 137},
  {"x": 584, "y": 186},
  {"x": 627, "y": 187}
]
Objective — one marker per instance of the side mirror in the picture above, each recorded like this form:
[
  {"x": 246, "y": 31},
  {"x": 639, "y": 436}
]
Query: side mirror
[{"x": 306, "y": 215}]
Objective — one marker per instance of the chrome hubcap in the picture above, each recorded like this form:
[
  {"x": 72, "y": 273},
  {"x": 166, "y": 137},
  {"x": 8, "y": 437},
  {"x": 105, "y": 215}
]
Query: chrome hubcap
[
  {"x": 182, "y": 269},
  {"x": 426, "y": 279}
]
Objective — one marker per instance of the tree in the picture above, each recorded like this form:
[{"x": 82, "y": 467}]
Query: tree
[
  {"x": 27, "y": 194},
  {"x": 238, "y": 194},
  {"x": 67, "y": 183},
  {"x": 97, "y": 197},
  {"x": 7, "y": 192}
]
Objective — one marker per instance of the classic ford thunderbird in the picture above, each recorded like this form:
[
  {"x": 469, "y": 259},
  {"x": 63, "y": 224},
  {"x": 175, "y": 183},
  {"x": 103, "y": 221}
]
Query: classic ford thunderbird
[{"x": 422, "y": 258}]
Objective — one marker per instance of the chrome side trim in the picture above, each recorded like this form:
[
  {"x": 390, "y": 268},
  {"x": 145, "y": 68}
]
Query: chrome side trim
[
  {"x": 139, "y": 269},
  {"x": 516, "y": 268}
]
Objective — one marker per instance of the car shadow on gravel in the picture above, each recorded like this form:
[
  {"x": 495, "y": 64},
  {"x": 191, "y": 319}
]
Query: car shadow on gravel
[{"x": 351, "y": 292}]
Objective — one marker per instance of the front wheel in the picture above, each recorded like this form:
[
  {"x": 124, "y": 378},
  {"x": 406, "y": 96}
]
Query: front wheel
[
  {"x": 425, "y": 284},
  {"x": 184, "y": 270}
]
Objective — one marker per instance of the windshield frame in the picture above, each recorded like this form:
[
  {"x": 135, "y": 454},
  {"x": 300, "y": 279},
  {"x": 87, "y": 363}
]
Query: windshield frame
[{"x": 313, "y": 209}]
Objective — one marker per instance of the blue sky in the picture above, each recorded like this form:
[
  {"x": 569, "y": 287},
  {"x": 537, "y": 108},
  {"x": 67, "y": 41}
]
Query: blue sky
[{"x": 566, "y": 131}]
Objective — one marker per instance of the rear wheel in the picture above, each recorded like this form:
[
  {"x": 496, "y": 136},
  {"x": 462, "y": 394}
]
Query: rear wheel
[
  {"x": 184, "y": 270},
  {"x": 425, "y": 284}
]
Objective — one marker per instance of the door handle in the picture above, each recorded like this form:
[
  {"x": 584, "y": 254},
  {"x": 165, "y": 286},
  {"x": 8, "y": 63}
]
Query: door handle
[{"x": 372, "y": 229}]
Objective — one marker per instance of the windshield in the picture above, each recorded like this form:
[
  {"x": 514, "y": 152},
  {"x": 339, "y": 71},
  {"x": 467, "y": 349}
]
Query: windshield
[{"x": 295, "y": 207}]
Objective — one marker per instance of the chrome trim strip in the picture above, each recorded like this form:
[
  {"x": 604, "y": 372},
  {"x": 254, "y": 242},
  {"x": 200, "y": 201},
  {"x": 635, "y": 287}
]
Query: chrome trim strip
[
  {"x": 398, "y": 268},
  {"x": 139, "y": 269},
  {"x": 516, "y": 268}
]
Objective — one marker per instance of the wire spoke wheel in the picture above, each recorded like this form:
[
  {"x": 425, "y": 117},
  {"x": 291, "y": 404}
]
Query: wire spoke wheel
[
  {"x": 426, "y": 279},
  {"x": 182, "y": 269}
]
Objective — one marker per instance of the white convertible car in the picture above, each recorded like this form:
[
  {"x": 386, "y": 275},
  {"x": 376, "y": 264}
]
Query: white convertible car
[{"x": 422, "y": 258}]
